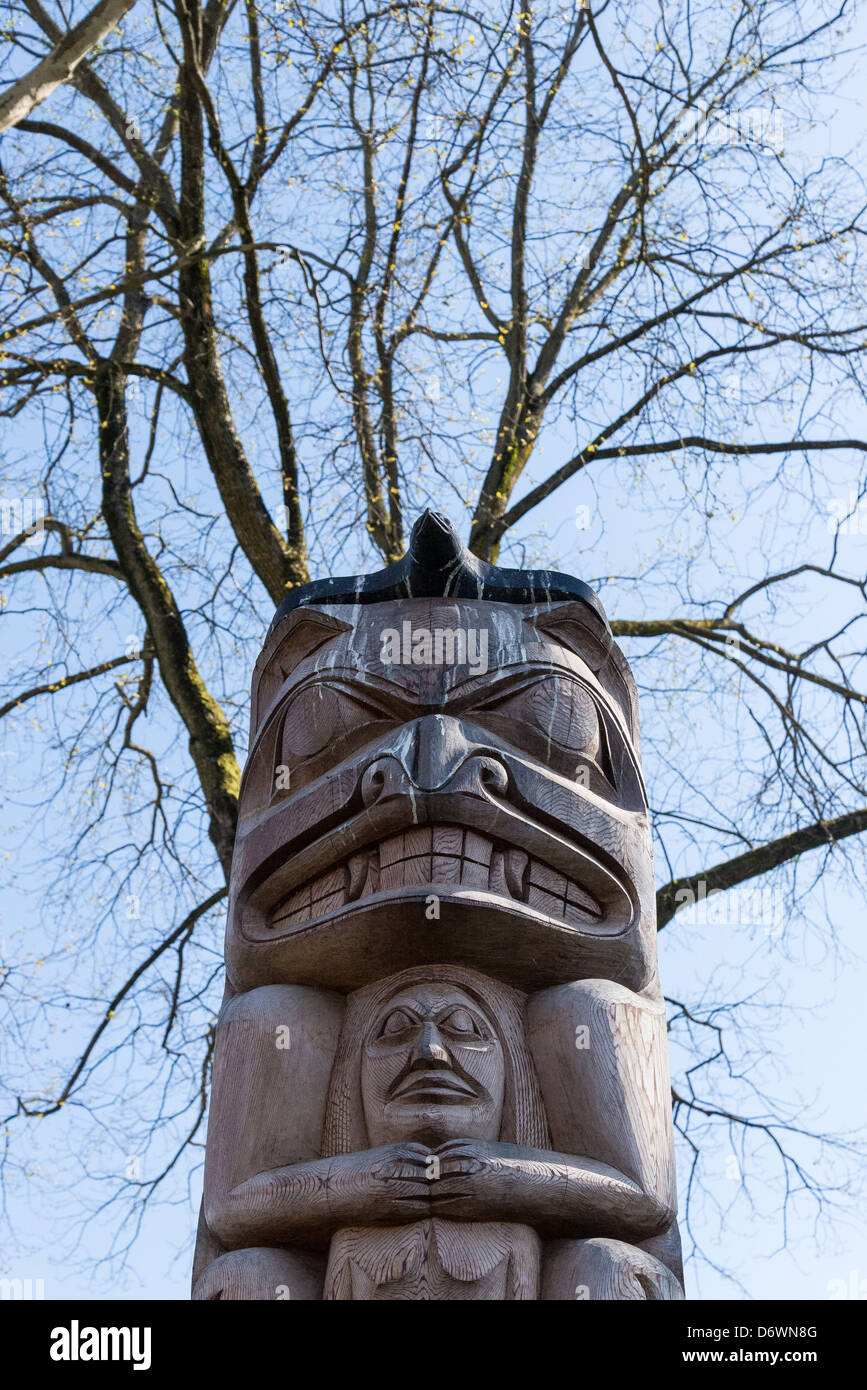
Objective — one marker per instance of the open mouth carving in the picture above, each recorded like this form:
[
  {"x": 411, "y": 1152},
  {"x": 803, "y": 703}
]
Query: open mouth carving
[{"x": 439, "y": 856}]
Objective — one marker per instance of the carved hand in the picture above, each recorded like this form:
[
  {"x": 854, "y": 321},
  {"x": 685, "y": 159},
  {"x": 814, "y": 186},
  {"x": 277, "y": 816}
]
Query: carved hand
[
  {"x": 383, "y": 1186},
  {"x": 558, "y": 1193},
  {"x": 484, "y": 1181}
]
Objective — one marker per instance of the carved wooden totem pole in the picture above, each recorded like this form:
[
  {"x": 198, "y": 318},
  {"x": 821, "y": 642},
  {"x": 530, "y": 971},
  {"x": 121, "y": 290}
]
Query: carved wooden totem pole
[{"x": 441, "y": 1067}]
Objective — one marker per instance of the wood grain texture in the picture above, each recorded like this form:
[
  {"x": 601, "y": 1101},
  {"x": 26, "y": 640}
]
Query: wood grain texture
[
  {"x": 529, "y": 763},
  {"x": 262, "y": 1275},
  {"x": 435, "y": 1261},
  {"x": 272, "y": 1062},
  {"x": 441, "y": 1071},
  {"x": 602, "y": 1059},
  {"x": 589, "y": 1270}
]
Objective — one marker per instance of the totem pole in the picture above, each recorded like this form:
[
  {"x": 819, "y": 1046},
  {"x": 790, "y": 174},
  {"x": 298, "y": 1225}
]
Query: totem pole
[{"x": 441, "y": 1071}]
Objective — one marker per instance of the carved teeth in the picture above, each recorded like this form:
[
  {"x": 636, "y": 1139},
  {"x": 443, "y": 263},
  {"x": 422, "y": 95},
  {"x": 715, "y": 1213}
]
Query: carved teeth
[
  {"x": 516, "y": 863},
  {"x": 358, "y": 866},
  {"x": 371, "y": 882},
  {"x": 497, "y": 880},
  {"x": 578, "y": 898},
  {"x": 446, "y": 855}
]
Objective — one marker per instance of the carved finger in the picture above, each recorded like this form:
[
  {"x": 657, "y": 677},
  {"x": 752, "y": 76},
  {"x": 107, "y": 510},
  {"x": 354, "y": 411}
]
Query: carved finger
[{"x": 460, "y": 1164}]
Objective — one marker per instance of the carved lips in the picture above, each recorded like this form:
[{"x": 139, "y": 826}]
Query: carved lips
[
  {"x": 438, "y": 856},
  {"x": 441, "y": 1086}
]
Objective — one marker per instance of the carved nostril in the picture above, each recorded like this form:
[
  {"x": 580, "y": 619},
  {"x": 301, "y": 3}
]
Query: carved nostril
[
  {"x": 479, "y": 776},
  {"x": 493, "y": 776},
  {"x": 372, "y": 784},
  {"x": 474, "y": 776},
  {"x": 383, "y": 776}
]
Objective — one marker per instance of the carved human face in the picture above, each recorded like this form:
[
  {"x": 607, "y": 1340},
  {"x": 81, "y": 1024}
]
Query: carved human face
[{"x": 432, "y": 1069}]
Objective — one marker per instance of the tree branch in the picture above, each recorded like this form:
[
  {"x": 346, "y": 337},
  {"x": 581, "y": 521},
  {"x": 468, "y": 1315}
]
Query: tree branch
[
  {"x": 60, "y": 64},
  {"x": 755, "y": 862}
]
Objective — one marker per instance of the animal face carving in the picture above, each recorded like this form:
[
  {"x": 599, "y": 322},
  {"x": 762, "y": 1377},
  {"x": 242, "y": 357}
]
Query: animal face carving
[{"x": 401, "y": 803}]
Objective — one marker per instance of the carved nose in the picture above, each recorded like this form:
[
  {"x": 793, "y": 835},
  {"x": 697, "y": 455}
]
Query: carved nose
[
  {"x": 440, "y": 749},
  {"x": 438, "y": 757},
  {"x": 429, "y": 1050}
]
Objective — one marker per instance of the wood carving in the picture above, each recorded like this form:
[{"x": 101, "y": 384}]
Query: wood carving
[{"x": 441, "y": 1067}]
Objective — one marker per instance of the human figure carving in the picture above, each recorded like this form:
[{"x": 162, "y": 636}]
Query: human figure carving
[{"x": 442, "y": 900}]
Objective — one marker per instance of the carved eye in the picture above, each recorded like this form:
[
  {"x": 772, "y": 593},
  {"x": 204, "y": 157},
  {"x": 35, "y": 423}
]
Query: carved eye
[
  {"x": 461, "y": 1022},
  {"x": 397, "y": 1022},
  {"x": 317, "y": 716},
  {"x": 560, "y": 709}
]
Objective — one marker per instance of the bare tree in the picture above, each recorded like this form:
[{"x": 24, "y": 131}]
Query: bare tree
[
  {"x": 274, "y": 277},
  {"x": 58, "y": 65}
]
